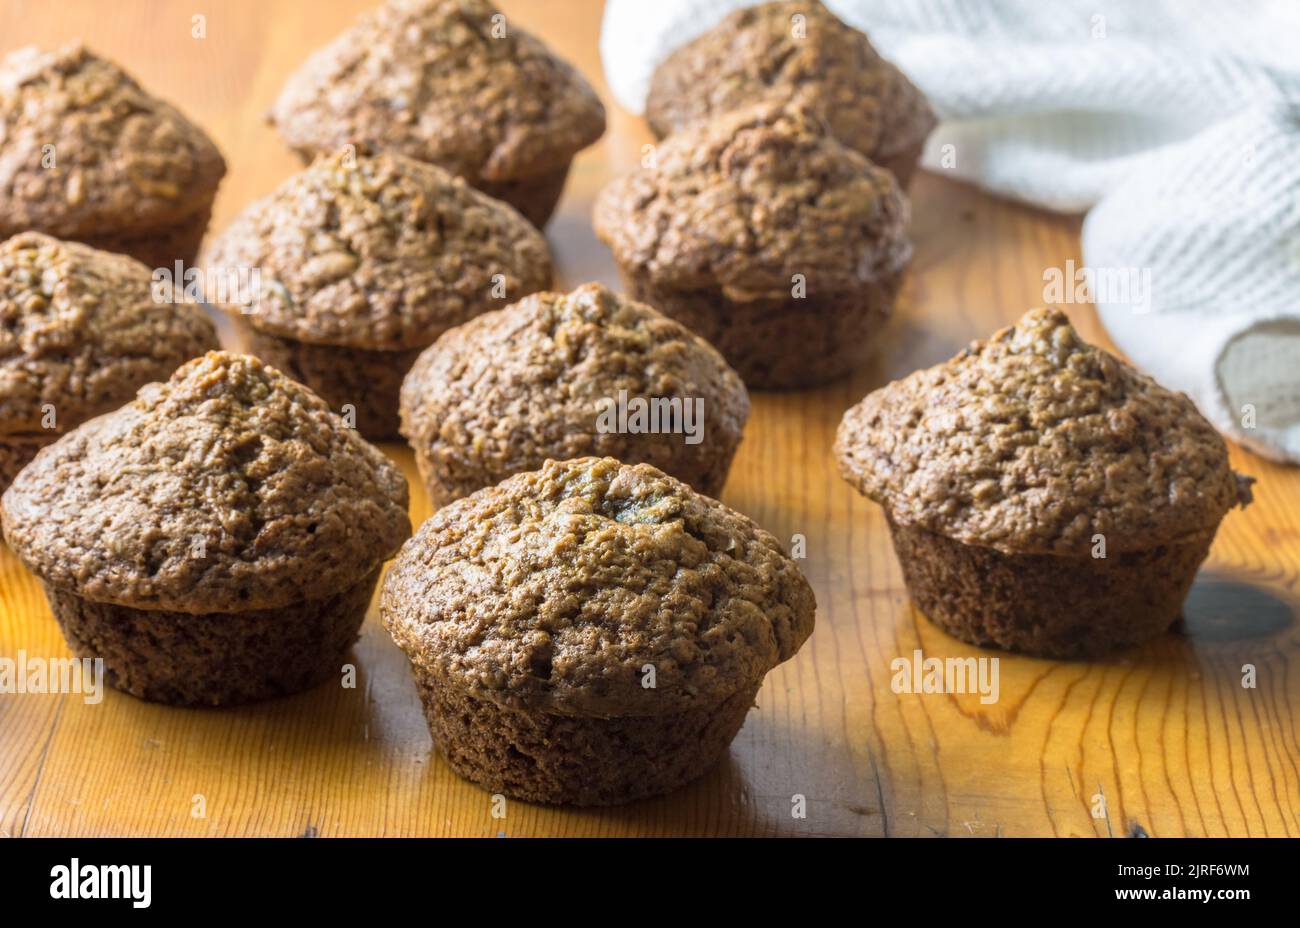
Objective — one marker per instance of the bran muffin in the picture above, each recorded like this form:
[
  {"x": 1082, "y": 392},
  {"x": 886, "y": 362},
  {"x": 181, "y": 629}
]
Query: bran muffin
[
  {"x": 364, "y": 262},
  {"x": 86, "y": 154},
  {"x": 1043, "y": 496},
  {"x": 80, "y": 332},
  {"x": 818, "y": 61},
  {"x": 452, "y": 83},
  {"x": 215, "y": 541},
  {"x": 762, "y": 233},
  {"x": 547, "y": 378},
  {"x": 592, "y": 632}
]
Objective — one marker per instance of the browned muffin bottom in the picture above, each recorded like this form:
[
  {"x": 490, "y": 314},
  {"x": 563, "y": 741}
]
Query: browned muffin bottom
[
  {"x": 215, "y": 541},
  {"x": 773, "y": 347},
  {"x": 765, "y": 235},
  {"x": 903, "y": 164},
  {"x": 162, "y": 247},
  {"x": 16, "y": 452},
  {"x": 510, "y": 389},
  {"x": 1008, "y": 471},
  {"x": 365, "y": 261},
  {"x": 452, "y": 83},
  {"x": 1046, "y": 604},
  {"x": 532, "y": 612},
  {"x": 131, "y": 174},
  {"x": 215, "y": 658},
  {"x": 576, "y": 760},
  {"x": 830, "y": 67},
  {"x": 370, "y": 382},
  {"x": 535, "y": 196},
  {"x": 80, "y": 332}
]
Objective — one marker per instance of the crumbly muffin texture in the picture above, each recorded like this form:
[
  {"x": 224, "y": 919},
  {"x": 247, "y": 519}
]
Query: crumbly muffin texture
[
  {"x": 381, "y": 253},
  {"x": 80, "y": 332},
  {"x": 123, "y": 161},
  {"x": 1046, "y": 604},
  {"x": 1033, "y": 442},
  {"x": 817, "y": 61},
  {"x": 215, "y": 659},
  {"x": 558, "y": 589},
  {"x": 750, "y": 200},
  {"x": 450, "y": 82},
  {"x": 547, "y": 757},
  {"x": 227, "y": 488},
  {"x": 501, "y": 394}
]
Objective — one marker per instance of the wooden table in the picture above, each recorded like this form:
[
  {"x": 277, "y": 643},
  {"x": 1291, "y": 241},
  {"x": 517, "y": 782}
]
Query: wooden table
[{"x": 1166, "y": 733}]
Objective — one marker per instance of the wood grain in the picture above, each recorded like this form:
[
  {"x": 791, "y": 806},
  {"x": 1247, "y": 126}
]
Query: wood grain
[{"x": 1166, "y": 732}]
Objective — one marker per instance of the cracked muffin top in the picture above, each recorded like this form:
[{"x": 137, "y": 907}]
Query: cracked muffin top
[
  {"x": 230, "y": 487},
  {"x": 83, "y": 148},
  {"x": 818, "y": 61},
  {"x": 449, "y": 82},
  {"x": 751, "y": 199},
  {"x": 80, "y": 332},
  {"x": 555, "y": 589},
  {"x": 1034, "y": 441},
  {"x": 380, "y": 252},
  {"x": 508, "y": 390}
]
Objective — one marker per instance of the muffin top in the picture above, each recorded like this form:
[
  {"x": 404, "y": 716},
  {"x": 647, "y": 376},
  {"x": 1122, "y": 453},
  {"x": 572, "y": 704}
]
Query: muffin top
[
  {"x": 1035, "y": 441},
  {"x": 751, "y": 199},
  {"x": 444, "y": 81},
  {"x": 508, "y": 390},
  {"x": 380, "y": 252},
  {"x": 555, "y": 589},
  {"x": 80, "y": 332},
  {"x": 230, "y": 487},
  {"x": 819, "y": 61},
  {"x": 83, "y": 148}
]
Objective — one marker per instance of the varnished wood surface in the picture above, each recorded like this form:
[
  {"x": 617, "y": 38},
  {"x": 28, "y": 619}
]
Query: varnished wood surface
[{"x": 1166, "y": 732}]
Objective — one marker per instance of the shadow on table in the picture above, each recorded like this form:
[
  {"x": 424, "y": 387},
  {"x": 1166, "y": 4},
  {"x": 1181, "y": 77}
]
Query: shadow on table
[{"x": 1221, "y": 608}]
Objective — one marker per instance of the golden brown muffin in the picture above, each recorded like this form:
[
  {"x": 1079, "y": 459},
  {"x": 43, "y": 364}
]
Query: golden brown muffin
[
  {"x": 798, "y": 52},
  {"x": 550, "y": 376},
  {"x": 80, "y": 332},
  {"x": 762, "y": 233},
  {"x": 364, "y": 262},
  {"x": 87, "y": 155},
  {"x": 453, "y": 83},
  {"x": 1043, "y": 495},
  {"x": 591, "y": 632},
  {"x": 215, "y": 541}
]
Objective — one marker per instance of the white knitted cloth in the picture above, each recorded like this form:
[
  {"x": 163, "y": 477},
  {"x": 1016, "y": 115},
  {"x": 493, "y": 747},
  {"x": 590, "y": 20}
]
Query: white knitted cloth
[{"x": 1176, "y": 121}]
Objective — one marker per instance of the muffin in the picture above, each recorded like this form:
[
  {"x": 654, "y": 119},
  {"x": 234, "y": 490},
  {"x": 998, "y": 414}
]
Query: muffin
[
  {"x": 763, "y": 51},
  {"x": 1043, "y": 496},
  {"x": 87, "y": 155},
  {"x": 567, "y": 375},
  {"x": 592, "y": 632},
  {"x": 448, "y": 82},
  {"x": 762, "y": 233},
  {"x": 216, "y": 541},
  {"x": 80, "y": 332},
  {"x": 364, "y": 262}
]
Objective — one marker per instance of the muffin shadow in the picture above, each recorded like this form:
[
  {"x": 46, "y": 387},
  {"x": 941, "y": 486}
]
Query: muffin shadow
[{"x": 1220, "y": 608}]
